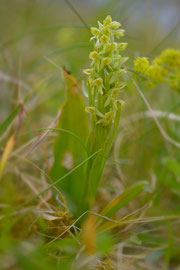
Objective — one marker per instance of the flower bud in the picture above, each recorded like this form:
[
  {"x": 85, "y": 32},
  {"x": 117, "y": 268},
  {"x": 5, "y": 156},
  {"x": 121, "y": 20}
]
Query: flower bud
[
  {"x": 122, "y": 46},
  {"x": 95, "y": 31},
  {"x": 106, "y": 30},
  {"x": 115, "y": 25},
  {"x": 115, "y": 91},
  {"x": 90, "y": 109},
  {"x": 106, "y": 61},
  {"x": 98, "y": 82},
  {"x": 93, "y": 55},
  {"x": 104, "y": 39},
  {"x": 120, "y": 102},
  {"x": 120, "y": 72},
  {"x": 88, "y": 71},
  {"x": 109, "y": 47},
  {"x": 108, "y": 118},
  {"x": 100, "y": 26},
  {"x": 119, "y": 33},
  {"x": 109, "y": 115},
  {"x": 90, "y": 81},
  {"x": 107, "y": 20},
  {"x": 121, "y": 85}
]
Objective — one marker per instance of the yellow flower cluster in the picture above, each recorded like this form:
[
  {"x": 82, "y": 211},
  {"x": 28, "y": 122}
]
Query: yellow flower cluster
[
  {"x": 170, "y": 58},
  {"x": 165, "y": 67},
  {"x": 175, "y": 80},
  {"x": 153, "y": 71}
]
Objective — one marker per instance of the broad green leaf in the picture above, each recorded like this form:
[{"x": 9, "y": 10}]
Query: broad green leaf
[
  {"x": 123, "y": 199},
  {"x": 68, "y": 151}
]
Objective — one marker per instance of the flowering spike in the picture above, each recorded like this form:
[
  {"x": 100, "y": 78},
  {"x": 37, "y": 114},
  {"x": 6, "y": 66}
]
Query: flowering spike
[{"x": 106, "y": 68}]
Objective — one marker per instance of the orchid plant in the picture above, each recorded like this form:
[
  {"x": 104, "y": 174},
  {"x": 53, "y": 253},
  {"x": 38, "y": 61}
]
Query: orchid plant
[{"x": 105, "y": 83}]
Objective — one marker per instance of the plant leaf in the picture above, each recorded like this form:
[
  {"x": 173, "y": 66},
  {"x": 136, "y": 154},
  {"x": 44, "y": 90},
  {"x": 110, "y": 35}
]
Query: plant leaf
[
  {"x": 123, "y": 199},
  {"x": 68, "y": 151}
]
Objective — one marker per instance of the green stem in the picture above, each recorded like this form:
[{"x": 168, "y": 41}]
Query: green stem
[{"x": 96, "y": 166}]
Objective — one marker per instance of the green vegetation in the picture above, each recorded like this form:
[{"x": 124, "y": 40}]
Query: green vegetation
[{"x": 89, "y": 169}]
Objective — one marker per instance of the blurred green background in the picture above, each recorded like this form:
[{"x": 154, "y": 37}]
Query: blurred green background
[{"x": 38, "y": 37}]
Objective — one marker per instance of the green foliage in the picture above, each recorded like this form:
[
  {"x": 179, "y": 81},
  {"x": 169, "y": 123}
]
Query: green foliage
[{"x": 105, "y": 242}]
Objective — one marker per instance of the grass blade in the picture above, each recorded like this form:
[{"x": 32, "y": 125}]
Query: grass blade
[
  {"x": 123, "y": 199},
  {"x": 57, "y": 181},
  {"x": 6, "y": 153},
  {"x": 9, "y": 120}
]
